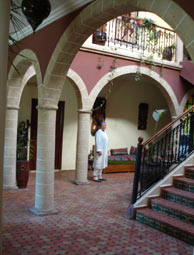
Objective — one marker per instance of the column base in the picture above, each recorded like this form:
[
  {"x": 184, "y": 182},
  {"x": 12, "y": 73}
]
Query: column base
[
  {"x": 9, "y": 187},
  {"x": 130, "y": 213},
  {"x": 39, "y": 212},
  {"x": 80, "y": 182}
]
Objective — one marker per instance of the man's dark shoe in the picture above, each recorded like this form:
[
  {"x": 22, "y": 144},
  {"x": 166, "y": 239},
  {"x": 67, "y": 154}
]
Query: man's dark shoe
[
  {"x": 103, "y": 179},
  {"x": 97, "y": 180}
]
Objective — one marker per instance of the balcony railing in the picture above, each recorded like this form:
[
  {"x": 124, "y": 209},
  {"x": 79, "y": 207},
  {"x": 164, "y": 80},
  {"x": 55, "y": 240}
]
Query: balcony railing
[{"x": 138, "y": 36}]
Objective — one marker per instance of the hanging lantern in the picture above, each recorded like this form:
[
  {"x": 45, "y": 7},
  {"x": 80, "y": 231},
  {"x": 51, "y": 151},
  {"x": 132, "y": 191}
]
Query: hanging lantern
[{"x": 36, "y": 11}]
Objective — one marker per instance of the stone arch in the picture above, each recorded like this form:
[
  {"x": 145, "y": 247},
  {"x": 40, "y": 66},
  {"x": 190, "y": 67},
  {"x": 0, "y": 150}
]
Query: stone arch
[
  {"x": 26, "y": 66},
  {"x": 160, "y": 82},
  {"x": 95, "y": 15},
  {"x": 185, "y": 99},
  {"x": 80, "y": 89}
]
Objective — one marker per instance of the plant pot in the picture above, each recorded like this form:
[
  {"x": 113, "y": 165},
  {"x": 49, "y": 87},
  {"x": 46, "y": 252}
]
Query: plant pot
[
  {"x": 22, "y": 174},
  {"x": 167, "y": 53},
  {"x": 140, "y": 22},
  {"x": 99, "y": 37}
]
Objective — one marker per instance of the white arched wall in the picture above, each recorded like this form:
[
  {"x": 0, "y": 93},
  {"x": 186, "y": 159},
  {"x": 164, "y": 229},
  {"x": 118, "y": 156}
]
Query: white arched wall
[
  {"x": 122, "y": 108},
  {"x": 26, "y": 66},
  {"x": 80, "y": 88},
  {"x": 75, "y": 95},
  {"x": 160, "y": 82}
]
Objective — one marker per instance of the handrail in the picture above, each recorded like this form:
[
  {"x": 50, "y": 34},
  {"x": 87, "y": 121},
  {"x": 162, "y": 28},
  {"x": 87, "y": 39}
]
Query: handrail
[
  {"x": 135, "y": 19},
  {"x": 168, "y": 126},
  {"x": 173, "y": 146}
]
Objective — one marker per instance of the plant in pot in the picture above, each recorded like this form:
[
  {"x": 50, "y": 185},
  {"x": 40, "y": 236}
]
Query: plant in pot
[
  {"x": 149, "y": 24},
  {"x": 99, "y": 37},
  {"x": 24, "y": 150},
  {"x": 168, "y": 52}
]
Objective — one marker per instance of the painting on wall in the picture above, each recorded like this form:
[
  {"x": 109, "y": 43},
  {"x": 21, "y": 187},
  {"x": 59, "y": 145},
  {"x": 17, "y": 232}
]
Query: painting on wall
[
  {"x": 142, "y": 116},
  {"x": 98, "y": 114}
]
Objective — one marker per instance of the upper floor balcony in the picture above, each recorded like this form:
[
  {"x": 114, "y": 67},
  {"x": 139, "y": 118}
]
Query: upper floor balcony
[{"x": 137, "y": 38}]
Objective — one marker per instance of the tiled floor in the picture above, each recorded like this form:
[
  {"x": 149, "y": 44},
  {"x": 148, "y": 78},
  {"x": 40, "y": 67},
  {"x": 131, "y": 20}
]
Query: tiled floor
[{"x": 90, "y": 221}]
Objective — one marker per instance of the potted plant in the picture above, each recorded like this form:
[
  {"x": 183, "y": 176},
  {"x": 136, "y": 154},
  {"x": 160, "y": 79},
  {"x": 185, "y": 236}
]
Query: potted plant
[
  {"x": 23, "y": 152},
  {"x": 139, "y": 22},
  {"x": 149, "y": 24},
  {"x": 168, "y": 52},
  {"x": 99, "y": 37}
]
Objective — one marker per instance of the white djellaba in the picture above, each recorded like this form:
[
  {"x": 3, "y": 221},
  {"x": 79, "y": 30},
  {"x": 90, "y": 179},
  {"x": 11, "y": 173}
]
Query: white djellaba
[{"x": 100, "y": 161}]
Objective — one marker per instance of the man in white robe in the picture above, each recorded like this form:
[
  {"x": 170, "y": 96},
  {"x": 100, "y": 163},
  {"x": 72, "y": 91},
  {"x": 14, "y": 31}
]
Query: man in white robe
[{"x": 100, "y": 153}]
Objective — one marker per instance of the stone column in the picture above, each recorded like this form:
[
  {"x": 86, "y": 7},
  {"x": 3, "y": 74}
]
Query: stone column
[
  {"x": 82, "y": 147},
  {"x": 44, "y": 195},
  {"x": 179, "y": 50},
  {"x": 4, "y": 32},
  {"x": 9, "y": 169}
]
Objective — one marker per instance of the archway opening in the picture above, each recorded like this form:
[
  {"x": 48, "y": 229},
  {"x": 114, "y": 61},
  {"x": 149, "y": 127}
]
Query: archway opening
[{"x": 123, "y": 116}]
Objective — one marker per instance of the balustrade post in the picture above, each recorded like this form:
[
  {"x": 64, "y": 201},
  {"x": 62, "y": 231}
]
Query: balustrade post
[{"x": 130, "y": 211}]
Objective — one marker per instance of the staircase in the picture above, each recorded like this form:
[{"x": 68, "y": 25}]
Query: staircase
[{"x": 173, "y": 212}]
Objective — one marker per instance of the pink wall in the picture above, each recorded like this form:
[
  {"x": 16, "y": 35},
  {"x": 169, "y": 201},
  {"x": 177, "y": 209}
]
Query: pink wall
[
  {"x": 187, "y": 71},
  {"x": 44, "y": 41},
  {"x": 85, "y": 65}
]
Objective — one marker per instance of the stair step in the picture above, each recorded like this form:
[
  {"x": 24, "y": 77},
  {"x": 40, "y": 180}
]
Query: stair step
[
  {"x": 189, "y": 172},
  {"x": 179, "y": 196},
  {"x": 184, "y": 183},
  {"x": 179, "y": 229},
  {"x": 173, "y": 209}
]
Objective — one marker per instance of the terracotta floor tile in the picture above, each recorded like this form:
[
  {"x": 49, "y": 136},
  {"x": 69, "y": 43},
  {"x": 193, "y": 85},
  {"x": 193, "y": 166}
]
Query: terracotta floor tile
[{"x": 90, "y": 221}]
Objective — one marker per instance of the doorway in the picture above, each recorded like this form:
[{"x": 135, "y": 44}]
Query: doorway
[{"x": 58, "y": 133}]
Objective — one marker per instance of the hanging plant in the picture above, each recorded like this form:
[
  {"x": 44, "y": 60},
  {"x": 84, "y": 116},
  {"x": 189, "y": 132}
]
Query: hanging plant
[
  {"x": 113, "y": 66},
  {"x": 99, "y": 37},
  {"x": 149, "y": 60},
  {"x": 139, "y": 22},
  {"x": 149, "y": 24}
]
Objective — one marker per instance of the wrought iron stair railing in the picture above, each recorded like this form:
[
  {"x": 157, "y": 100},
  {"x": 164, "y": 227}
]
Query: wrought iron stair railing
[{"x": 160, "y": 154}]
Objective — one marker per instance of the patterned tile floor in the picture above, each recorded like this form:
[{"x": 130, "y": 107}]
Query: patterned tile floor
[{"x": 90, "y": 221}]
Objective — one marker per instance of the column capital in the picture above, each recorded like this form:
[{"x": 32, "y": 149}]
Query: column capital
[
  {"x": 47, "y": 107},
  {"x": 84, "y": 111},
  {"x": 12, "y": 107}
]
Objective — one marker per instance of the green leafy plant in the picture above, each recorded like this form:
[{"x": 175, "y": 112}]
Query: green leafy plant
[
  {"x": 157, "y": 115},
  {"x": 113, "y": 67},
  {"x": 24, "y": 146},
  {"x": 168, "y": 52}
]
